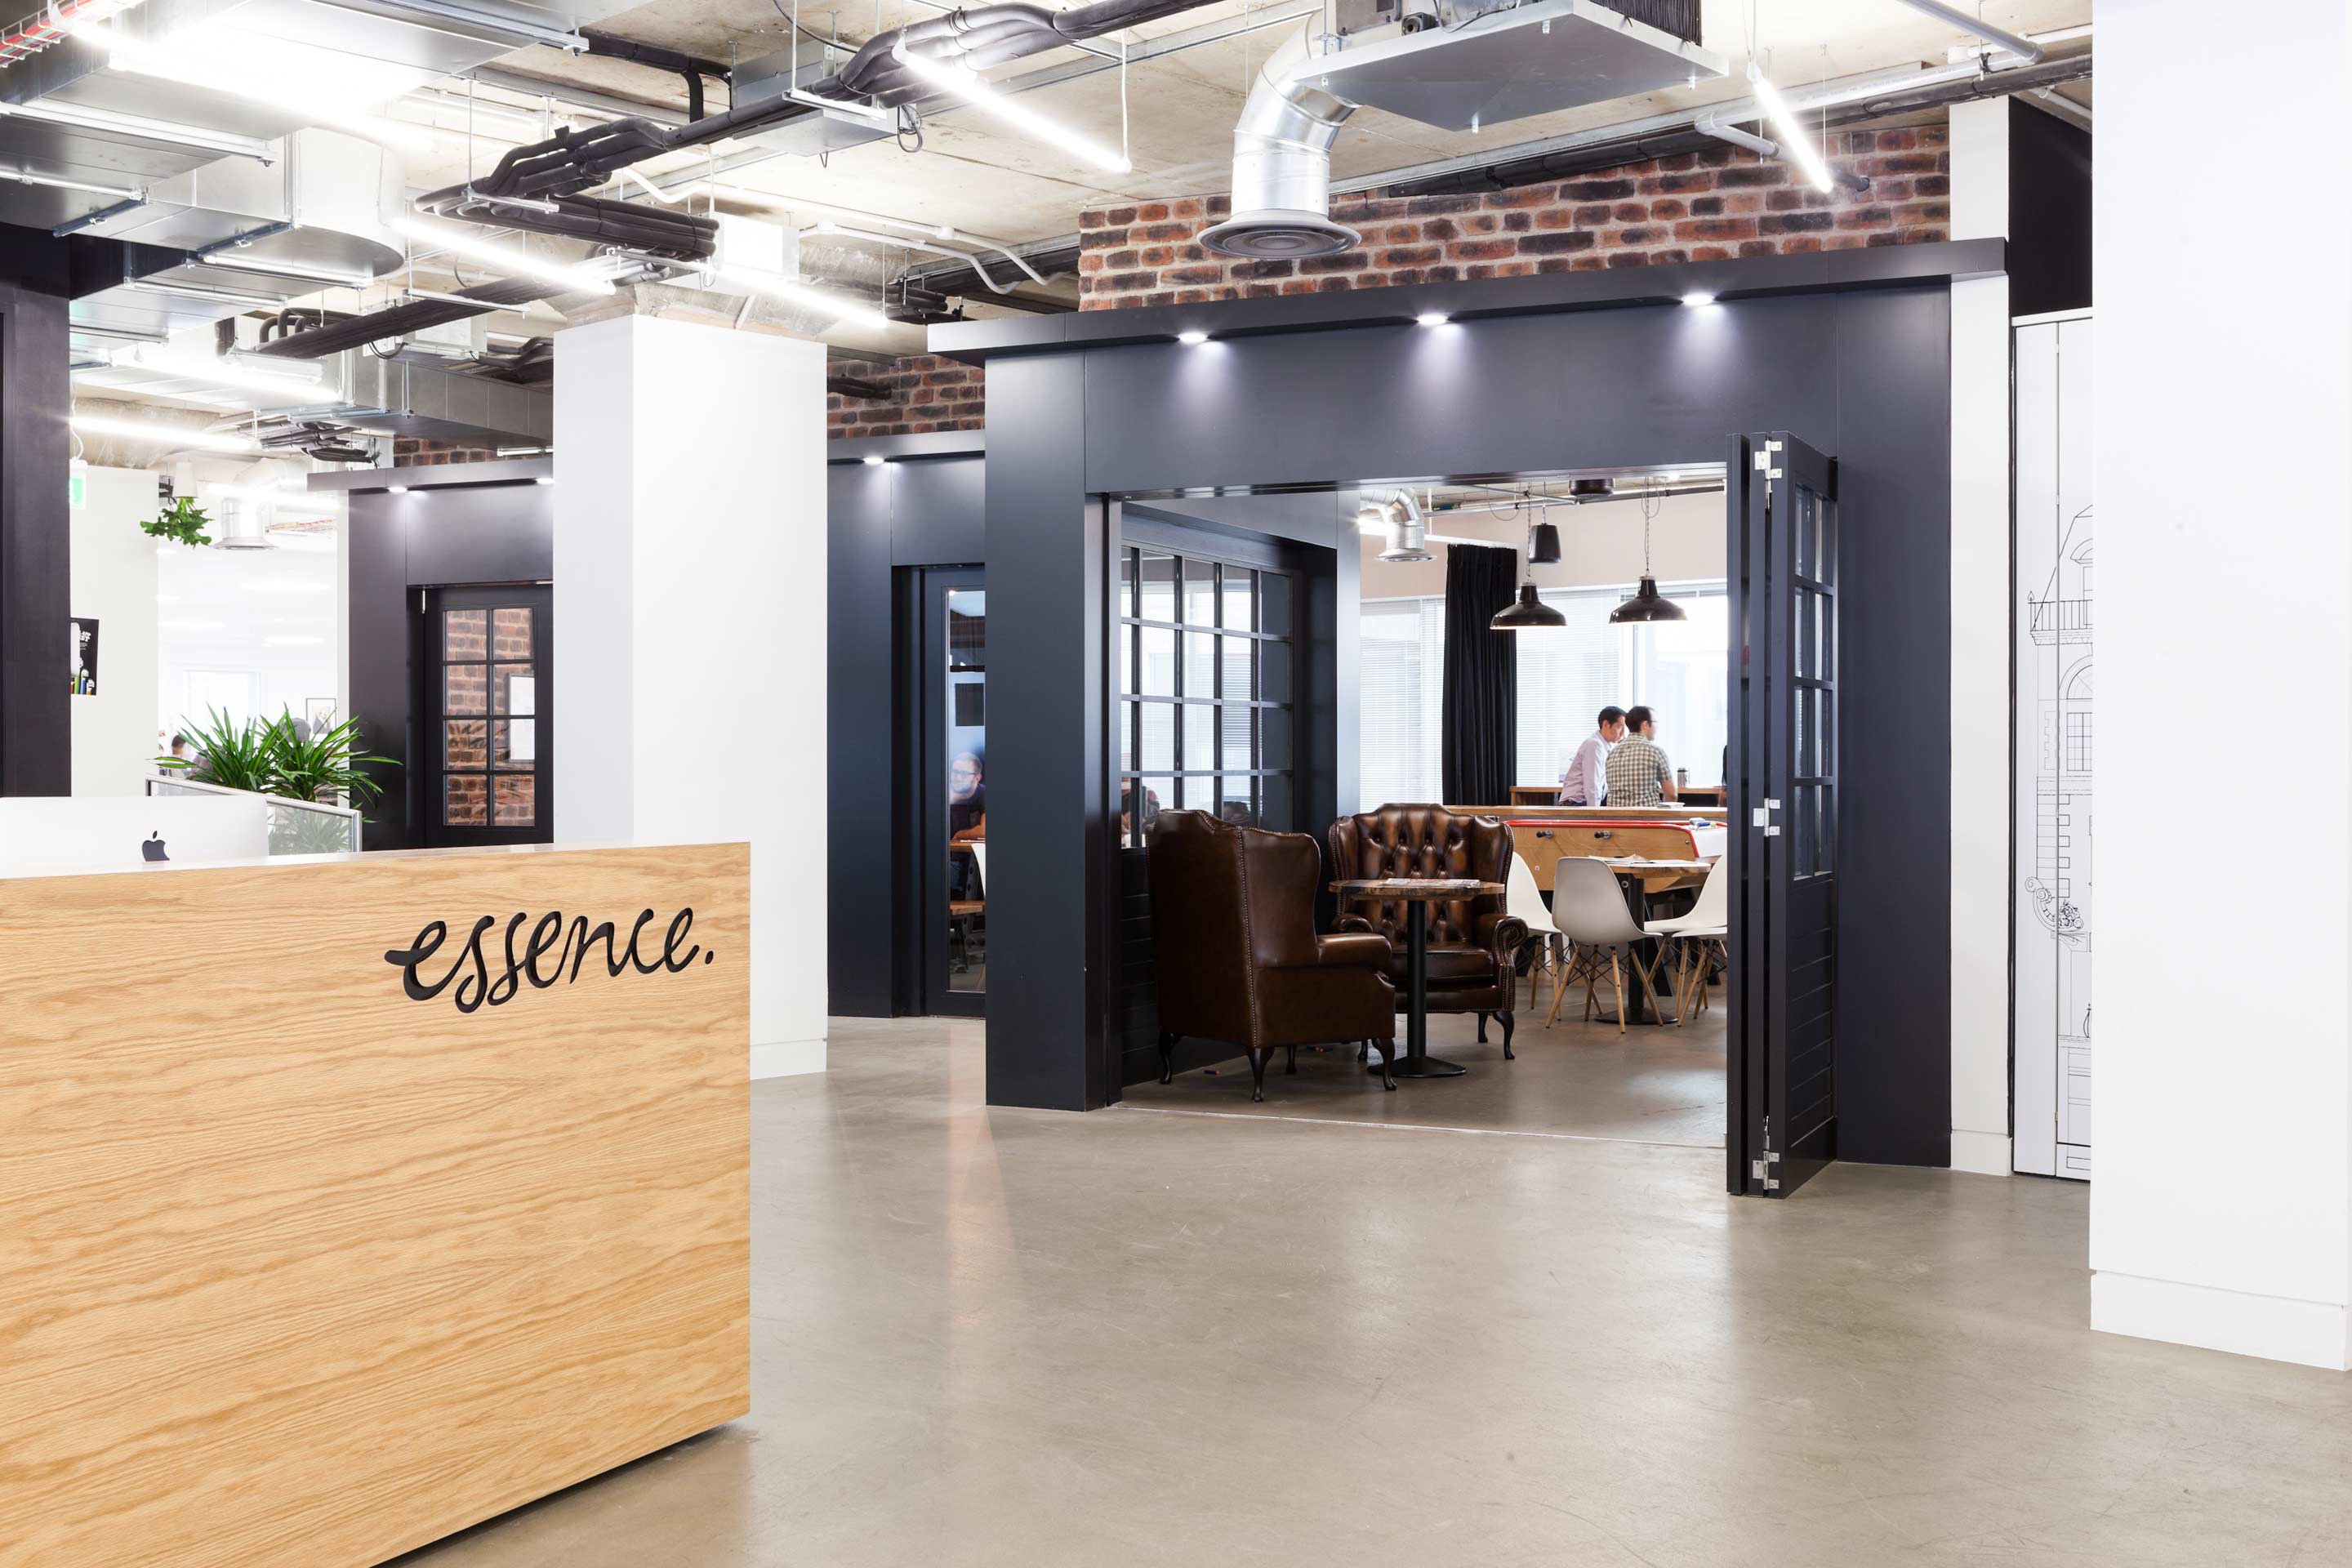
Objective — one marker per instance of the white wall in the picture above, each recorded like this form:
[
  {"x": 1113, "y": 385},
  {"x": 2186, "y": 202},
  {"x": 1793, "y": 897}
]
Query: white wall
[
  {"x": 1600, "y": 545},
  {"x": 691, "y": 588},
  {"x": 1981, "y": 654},
  {"x": 2221, "y": 1214},
  {"x": 113, "y": 578},
  {"x": 267, "y": 619}
]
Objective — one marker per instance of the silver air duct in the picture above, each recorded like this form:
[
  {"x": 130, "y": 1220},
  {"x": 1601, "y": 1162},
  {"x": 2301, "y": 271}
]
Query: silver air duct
[
  {"x": 1282, "y": 165},
  {"x": 1400, "y": 517},
  {"x": 1466, "y": 64}
]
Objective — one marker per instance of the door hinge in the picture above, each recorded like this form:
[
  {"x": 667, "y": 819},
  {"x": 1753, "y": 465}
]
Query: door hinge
[{"x": 1762, "y": 462}]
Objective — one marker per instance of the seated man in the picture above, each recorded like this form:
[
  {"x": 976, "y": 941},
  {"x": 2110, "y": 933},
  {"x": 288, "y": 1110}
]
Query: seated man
[
  {"x": 1584, "y": 781},
  {"x": 1637, "y": 771}
]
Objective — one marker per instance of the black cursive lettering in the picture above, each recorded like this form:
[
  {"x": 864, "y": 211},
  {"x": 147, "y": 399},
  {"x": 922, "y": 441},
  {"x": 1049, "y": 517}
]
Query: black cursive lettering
[{"x": 478, "y": 985}]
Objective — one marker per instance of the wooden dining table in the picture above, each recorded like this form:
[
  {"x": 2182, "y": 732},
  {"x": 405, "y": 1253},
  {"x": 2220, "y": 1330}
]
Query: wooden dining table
[{"x": 1416, "y": 893}]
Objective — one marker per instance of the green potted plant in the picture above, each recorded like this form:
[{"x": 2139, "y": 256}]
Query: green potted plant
[
  {"x": 271, "y": 757},
  {"x": 183, "y": 521}
]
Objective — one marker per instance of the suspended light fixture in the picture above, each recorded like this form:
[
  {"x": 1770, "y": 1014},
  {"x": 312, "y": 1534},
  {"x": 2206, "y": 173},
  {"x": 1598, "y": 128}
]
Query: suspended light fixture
[
  {"x": 1543, "y": 540},
  {"x": 1399, "y": 519},
  {"x": 1528, "y": 613},
  {"x": 1647, "y": 604}
]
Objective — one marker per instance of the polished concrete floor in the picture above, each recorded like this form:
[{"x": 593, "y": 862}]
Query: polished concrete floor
[
  {"x": 1649, "y": 1083},
  {"x": 996, "y": 1337}
]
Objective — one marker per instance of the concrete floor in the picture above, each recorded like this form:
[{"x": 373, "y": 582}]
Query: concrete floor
[
  {"x": 1653, "y": 1084},
  {"x": 988, "y": 1337}
]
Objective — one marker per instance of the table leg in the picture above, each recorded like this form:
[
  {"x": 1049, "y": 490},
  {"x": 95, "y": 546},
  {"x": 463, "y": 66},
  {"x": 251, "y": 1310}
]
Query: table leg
[
  {"x": 1637, "y": 1008},
  {"x": 1418, "y": 1062}
]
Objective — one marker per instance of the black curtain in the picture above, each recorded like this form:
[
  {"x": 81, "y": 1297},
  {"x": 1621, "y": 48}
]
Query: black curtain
[{"x": 1478, "y": 745}]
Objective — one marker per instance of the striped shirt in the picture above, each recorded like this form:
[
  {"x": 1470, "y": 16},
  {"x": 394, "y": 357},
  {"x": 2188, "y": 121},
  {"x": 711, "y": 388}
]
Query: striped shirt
[{"x": 1637, "y": 768}]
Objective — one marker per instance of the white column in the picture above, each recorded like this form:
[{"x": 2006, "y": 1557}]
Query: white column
[
  {"x": 1980, "y": 593},
  {"x": 690, "y": 625},
  {"x": 2221, "y": 1208},
  {"x": 112, "y": 570}
]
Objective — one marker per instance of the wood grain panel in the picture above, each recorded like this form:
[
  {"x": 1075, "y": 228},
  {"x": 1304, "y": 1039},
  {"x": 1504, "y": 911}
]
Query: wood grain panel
[{"x": 297, "y": 1270}]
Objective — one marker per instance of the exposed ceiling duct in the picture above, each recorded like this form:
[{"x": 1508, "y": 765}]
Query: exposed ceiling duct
[{"x": 1462, "y": 69}]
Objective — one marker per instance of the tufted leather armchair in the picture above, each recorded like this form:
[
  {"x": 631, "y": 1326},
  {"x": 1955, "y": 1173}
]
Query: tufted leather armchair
[
  {"x": 1473, "y": 946},
  {"x": 1238, "y": 960}
]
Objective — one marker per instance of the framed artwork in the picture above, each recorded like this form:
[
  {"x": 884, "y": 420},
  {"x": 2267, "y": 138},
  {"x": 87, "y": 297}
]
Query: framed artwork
[
  {"x": 85, "y": 656},
  {"x": 319, "y": 712}
]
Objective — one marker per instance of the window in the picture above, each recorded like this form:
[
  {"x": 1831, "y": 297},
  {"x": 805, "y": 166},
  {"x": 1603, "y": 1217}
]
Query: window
[
  {"x": 2078, "y": 743},
  {"x": 1205, "y": 678},
  {"x": 1566, "y": 676}
]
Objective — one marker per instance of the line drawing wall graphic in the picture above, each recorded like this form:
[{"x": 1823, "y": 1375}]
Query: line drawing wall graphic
[{"x": 2054, "y": 759}]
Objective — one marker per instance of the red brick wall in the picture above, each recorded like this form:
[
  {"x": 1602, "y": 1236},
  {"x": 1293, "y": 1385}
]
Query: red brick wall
[
  {"x": 407, "y": 453},
  {"x": 1698, "y": 206},
  {"x": 927, "y": 393}
]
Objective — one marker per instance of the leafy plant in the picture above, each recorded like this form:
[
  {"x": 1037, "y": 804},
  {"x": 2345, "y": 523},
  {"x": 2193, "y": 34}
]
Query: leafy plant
[
  {"x": 271, "y": 757},
  {"x": 322, "y": 767},
  {"x": 183, "y": 520}
]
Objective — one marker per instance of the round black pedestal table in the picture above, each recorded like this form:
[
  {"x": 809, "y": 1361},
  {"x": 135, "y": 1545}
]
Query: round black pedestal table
[{"x": 1416, "y": 893}]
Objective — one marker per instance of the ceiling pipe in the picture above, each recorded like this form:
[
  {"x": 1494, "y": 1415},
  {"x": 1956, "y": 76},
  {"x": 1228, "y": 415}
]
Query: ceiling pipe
[
  {"x": 1282, "y": 164},
  {"x": 1763, "y": 147},
  {"x": 2027, "y": 51}
]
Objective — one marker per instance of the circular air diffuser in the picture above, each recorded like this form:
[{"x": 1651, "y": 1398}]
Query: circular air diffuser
[{"x": 1280, "y": 233}]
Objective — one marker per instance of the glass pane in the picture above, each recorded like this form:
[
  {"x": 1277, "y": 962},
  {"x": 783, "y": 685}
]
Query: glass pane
[
  {"x": 464, "y": 633},
  {"x": 1159, "y": 736},
  {"x": 1233, "y": 801},
  {"x": 1800, "y": 701},
  {"x": 1199, "y": 593},
  {"x": 1238, "y": 652},
  {"x": 1828, "y": 837},
  {"x": 966, "y": 628},
  {"x": 1198, "y": 791},
  {"x": 1158, "y": 795},
  {"x": 1200, "y": 736},
  {"x": 1126, "y": 582},
  {"x": 466, "y": 743},
  {"x": 1804, "y": 530},
  {"x": 1126, "y": 723},
  {"x": 514, "y": 689},
  {"x": 1273, "y": 602},
  {"x": 1825, "y": 541},
  {"x": 1825, "y": 627},
  {"x": 1274, "y": 672},
  {"x": 1274, "y": 736},
  {"x": 1236, "y": 722},
  {"x": 965, "y": 745},
  {"x": 1200, "y": 664},
  {"x": 1158, "y": 575},
  {"x": 1800, "y": 631},
  {"x": 514, "y": 744},
  {"x": 466, "y": 800},
  {"x": 1800, "y": 828},
  {"x": 518, "y": 800},
  {"x": 1159, "y": 672},
  {"x": 1241, "y": 595},
  {"x": 461, "y": 687},
  {"x": 510, "y": 632},
  {"x": 1125, "y": 638},
  {"x": 1274, "y": 802}
]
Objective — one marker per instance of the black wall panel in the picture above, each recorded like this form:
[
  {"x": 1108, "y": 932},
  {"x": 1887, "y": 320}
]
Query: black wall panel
[
  {"x": 36, "y": 538},
  {"x": 2049, "y": 214}
]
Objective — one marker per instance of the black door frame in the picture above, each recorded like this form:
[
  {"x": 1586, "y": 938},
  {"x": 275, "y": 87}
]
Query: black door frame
[
  {"x": 919, "y": 933},
  {"x": 425, "y": 770},
  {"x": 1782, "y": 922}
]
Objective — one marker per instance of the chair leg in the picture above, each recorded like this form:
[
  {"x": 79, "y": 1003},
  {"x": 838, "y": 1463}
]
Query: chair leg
[
  {"x": 1388, "y": 1061},
  {"x": 1290, "y": 1059},
  {"x": 1257, "y": 1075},
  {"x": 1509, "y": 1022},
  {"x": 1363, "y": 1050},
  {"x": 1481, "y": 1028},
  {"x": 1617, "y": 983},
  {"x": 1167, "y": 1056}
]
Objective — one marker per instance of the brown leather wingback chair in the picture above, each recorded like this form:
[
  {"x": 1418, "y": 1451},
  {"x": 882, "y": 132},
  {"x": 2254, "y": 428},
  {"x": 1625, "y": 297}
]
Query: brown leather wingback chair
[
  {"x": 1473, "y": 946},
  {"x": 1233, "y": 926}
]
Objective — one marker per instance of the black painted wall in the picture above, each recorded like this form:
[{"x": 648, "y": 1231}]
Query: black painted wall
[
  {"x": 2049, "y": 213},
  {"x": 1861, "y": 375},
  {"x": 429, "y": 538},
  {"x": 922, "y": 508},
  {"x": 35, "y": 546}
]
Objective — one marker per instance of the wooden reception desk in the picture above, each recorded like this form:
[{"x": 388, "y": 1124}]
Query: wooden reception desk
[{"x": 326, "y": 1230}]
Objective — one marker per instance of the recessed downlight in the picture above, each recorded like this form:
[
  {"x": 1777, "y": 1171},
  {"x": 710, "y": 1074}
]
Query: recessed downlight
[
  {"x": 395, "y": 489},
  {"x": 872, "y": 461},
  {"x": 1192, "y": 339},
  {"x": 1432, "y": 318},
  {"x": 1695, "y": 300},
  {"x": 544, "y": 480}
]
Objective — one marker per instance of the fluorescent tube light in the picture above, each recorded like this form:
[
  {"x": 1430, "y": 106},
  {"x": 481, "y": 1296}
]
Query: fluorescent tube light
[
  {"x": 26, "y": 178},
  {"x": 222, "y": 372},
  {"x": 164, "y": 131},
  {"x": 511, "y": 260},
  {"x": 967, "y": 84},
  {"x": 235, "y": 260},
  {"x": 799, "y": 293},
  {"x": 227, "y": 62},
  {"x": 162, "y": 435},
  {"x": 1793, "y": 140}
]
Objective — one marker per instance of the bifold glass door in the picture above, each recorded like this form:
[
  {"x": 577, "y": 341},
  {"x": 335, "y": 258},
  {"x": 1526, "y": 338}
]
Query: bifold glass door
[
  {"x": 483, "y": 763},
  {"x": 950, "y": 759}
]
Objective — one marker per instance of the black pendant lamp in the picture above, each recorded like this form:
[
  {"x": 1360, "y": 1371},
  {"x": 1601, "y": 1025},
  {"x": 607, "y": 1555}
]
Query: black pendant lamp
[
  {"x": 1647, "y": 604},
  {"x": 1528, "y": 613}
]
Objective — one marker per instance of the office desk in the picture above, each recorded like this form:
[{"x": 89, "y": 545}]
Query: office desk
[{"x": 331, "y": 1232}]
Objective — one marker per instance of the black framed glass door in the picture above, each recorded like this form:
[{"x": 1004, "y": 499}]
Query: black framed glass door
[
  {"x": 1784, "y": 539},
  {"x": 484, "y": 770},
  {"x": 949, "y": 756}
]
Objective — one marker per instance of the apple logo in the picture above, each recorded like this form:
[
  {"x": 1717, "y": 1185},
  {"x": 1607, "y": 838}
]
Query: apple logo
[{"x": 153, "y": 848}]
